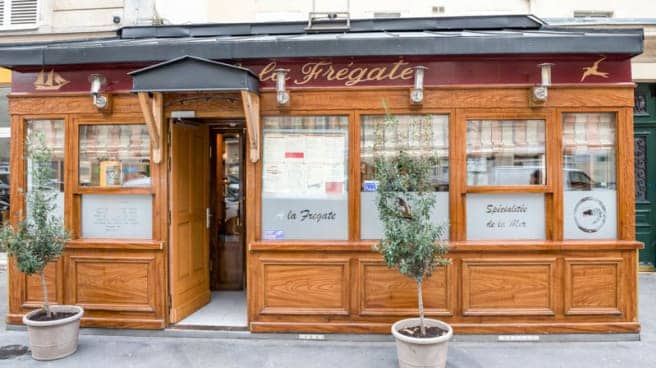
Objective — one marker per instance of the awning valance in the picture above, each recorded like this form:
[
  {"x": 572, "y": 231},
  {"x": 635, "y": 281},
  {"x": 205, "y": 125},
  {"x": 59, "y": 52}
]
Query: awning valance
[{"x": 191, "y": 73}]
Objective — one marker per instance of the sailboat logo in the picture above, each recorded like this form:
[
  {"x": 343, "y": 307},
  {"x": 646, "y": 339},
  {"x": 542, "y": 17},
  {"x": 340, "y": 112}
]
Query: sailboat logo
[{"x": 50, "y": 82}]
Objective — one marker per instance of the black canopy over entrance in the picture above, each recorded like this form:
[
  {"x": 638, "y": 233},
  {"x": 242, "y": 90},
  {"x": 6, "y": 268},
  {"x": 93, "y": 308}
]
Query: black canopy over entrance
[{"x": 191, "y": 73}]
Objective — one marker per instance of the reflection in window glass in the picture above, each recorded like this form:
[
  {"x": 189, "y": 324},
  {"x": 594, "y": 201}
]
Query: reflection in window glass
[
  {"x": 114, "y": 155},
  {"x": 589, "y": 175},
  {"x": 420, "y": 136},
  {"x": 53, "y": 133},
  {"x": 505, "y": 152},
  {"x": 305, "y": 177},
  {"x": 589, "y": 151},
  {"x": 4, "y": 155},
  {"x": 4, "y": 107}
]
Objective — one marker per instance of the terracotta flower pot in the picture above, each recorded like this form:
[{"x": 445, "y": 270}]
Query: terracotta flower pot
[
  {"x": 54, "y": 339},
  {"x": 414, "y": 352}
]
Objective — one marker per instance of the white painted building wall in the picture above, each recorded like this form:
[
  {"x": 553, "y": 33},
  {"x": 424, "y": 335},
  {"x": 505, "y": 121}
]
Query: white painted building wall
[
  {"x": 79, "y": 19},
  {"x": 179, "y": 12}
]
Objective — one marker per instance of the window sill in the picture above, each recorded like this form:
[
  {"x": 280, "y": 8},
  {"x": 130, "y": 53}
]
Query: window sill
[
  {"x": 120, "y": 244},
  {"x": 114, "y": 190},
  {"x": 454, "y": 246}
]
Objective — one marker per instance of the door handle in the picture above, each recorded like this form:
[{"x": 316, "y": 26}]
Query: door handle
[{"x": 208, "y": 217}]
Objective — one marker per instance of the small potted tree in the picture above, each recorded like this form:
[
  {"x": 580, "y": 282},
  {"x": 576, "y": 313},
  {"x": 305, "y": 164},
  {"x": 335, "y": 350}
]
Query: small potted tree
[
  {"x": 414, "y": 245},
  {"x": 33, "y": 243}
]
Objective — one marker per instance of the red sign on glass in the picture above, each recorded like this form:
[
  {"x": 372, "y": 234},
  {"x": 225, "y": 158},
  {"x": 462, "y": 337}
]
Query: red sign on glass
[{"x": 294, "y": 154}]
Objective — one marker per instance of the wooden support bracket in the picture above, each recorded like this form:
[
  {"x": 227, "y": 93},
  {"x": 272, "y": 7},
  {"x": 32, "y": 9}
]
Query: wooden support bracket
[
  {"x": 251, "y": 102},
  {"x": 152, "y": 108}
]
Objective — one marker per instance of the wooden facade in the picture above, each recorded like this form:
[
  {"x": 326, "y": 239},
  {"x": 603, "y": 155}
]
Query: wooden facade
[{"x": 513, "y": 286}]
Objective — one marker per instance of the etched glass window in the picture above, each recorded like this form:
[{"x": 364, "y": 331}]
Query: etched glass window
[
  {"x": 124, "y": 216},
  {"x": 5, "y": 137}
]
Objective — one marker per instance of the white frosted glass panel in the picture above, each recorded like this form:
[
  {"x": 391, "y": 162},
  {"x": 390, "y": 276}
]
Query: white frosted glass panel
[
  {"x": 590, "y": 214},
  {"x": 372, "y": 228},
  {"x": 292, "y": 218},
  {"x": 505, "y": 216},
  {"x": 117, "y": 216}
]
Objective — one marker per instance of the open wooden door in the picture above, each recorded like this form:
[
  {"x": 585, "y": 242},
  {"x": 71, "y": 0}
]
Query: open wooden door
[{"x": 189, "y": 272}]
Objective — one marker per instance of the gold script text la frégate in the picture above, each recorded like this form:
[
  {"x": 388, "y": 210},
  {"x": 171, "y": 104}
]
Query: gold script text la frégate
[{"x": 351, "y": 74}]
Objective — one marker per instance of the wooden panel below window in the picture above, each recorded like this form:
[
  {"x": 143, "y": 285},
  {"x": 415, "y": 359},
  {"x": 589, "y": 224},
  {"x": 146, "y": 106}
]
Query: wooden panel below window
[
  {"x": 488, "y": 288},
  {"x": 313, "y": 286},
  {"x": 508, "y": 287},
  {"x": 112, "y": 283},
  {"x": 593, "y": 286},
  {"x": 118, "y": 288},
  {"x": 384, "y": 291},
  {"x": 34, "y": 290}
]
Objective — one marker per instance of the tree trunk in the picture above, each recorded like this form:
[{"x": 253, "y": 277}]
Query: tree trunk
[
  {"x": 420, "y": 301},
  {"x": 44, "y": 285}
]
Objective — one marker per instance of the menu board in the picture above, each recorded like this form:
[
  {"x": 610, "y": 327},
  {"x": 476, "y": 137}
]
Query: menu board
[
  {"x": 117, "y": 216},
  {"x": 304, "y": 164},
  {"x": 505, "y": 216}
]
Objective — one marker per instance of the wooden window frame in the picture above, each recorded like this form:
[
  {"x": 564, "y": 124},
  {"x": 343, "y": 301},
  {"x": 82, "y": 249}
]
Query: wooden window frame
[
  {"x": 624, "y": 181},
  {"x": 77, "y": 191},
  {"x": 356, "y": 131},
  {"x": 349, "y": 114},
  {"x": 18, "y": 164},
  {"x": 458, "y": 188},
  {"x": 459, "y": 164}
]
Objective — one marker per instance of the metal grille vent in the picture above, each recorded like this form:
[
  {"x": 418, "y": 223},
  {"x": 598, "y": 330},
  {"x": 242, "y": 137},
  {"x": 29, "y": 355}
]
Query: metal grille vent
[
  {"x": 328, "y": 22},
  {"x": 23, "y": 12},
  {"x": 2, "y": 13}
]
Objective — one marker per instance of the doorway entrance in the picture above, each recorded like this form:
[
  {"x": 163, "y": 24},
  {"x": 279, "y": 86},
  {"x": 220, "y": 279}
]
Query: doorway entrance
[{"x": 207, "y": 265}]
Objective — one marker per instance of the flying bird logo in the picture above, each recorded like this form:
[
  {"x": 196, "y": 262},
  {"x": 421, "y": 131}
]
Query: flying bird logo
[{"x": 594, "y": 70}]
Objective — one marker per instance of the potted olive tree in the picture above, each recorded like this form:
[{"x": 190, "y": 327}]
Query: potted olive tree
[
  {"x": 414, "y": 245},
  {"x": 33, "y": 243}
]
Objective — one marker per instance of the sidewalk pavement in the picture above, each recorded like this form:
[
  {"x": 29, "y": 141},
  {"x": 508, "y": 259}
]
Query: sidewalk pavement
[{"x": 140, "y": 350}]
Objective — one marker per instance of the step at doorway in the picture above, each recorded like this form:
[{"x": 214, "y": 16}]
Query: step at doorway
[{"x": 225, "y": 311}]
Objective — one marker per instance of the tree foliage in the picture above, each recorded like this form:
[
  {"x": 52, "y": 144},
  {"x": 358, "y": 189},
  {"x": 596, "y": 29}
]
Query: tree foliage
[
  {"x": 41, "y": 236},
  {"x": 412, "y": 243}
]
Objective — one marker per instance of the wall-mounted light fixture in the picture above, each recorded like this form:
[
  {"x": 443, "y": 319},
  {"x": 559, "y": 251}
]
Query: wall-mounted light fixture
[
  {"x": 540, "y": 92},
  {"x": 97, "y": 81},
  {"x": 282, "y": 96},
  {"x": 417, "y": 92}
]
